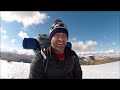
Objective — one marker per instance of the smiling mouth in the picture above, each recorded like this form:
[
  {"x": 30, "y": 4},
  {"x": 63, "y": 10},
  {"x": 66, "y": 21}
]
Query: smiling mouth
[{"x": 60, "y": 44}]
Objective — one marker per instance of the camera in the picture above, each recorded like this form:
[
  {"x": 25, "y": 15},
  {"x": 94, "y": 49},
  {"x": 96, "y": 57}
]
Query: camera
[{"x": 42, "y": 41}]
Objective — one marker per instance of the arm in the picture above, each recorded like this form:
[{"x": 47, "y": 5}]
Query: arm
[
  {"x": 36, "y": 68},
  {"x": 77, "y": 71}
]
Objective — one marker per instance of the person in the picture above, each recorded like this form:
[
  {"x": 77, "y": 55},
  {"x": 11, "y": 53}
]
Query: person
[{"x": 62, "y": 62}]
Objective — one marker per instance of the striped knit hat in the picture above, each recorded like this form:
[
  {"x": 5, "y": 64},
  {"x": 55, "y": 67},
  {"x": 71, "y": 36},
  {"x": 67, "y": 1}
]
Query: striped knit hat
[{"x": 58, "y": 27}]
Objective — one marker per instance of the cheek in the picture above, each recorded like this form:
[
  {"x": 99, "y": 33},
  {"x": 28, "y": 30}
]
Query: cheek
[
  {"x": 53, "y": 41},
  {"x": 66, "y": 40}
]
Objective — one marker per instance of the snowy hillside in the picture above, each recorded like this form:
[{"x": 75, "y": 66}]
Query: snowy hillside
[{"x": 19, "y": 70}]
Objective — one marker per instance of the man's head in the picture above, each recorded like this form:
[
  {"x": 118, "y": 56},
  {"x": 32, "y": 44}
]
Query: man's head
[{"x": 58, "y": 36}]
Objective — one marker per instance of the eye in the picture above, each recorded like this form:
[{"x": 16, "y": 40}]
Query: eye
[
  {"x": 64, "y": 35},
  {"x": 57, "y": 35}
]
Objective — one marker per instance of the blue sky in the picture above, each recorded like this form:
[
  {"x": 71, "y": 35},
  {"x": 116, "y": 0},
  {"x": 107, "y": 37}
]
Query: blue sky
[{"x": 88, "y": 30}]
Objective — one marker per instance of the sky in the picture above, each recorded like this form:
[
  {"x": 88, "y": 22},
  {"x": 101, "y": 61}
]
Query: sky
[{"x": 89, "y": 31}]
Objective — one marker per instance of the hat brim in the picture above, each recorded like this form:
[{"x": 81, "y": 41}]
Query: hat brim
[{"x": 58, "y": 30}]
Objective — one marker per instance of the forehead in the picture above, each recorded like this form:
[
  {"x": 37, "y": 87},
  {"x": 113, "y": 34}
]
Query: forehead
[{"x": 60, "y": 33}]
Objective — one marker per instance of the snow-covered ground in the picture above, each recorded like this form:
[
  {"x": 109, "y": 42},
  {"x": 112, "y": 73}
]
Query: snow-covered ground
[
  {"x": 14, "y": 70},
  {"x": 103, "y": 71},
  {"x": 19, "y": 70}
]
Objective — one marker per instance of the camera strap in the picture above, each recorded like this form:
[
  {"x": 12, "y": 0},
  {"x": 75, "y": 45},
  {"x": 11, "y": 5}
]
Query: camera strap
[
  {"x": 45, "y": 57},
  {"x": 43, "y": 54}
]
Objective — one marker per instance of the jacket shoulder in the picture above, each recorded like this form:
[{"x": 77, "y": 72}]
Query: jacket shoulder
[{"x": 70, "y": 52}]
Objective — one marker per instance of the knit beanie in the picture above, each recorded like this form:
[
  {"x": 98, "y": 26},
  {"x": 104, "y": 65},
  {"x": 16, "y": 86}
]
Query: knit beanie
[{"x": 58, "y": 27}]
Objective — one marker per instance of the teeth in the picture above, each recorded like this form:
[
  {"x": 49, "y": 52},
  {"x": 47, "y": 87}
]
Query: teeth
[{"x": 60, "y": 44}]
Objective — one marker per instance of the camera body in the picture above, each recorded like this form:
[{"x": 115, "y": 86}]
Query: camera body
[{"x": 41, "y": 41}]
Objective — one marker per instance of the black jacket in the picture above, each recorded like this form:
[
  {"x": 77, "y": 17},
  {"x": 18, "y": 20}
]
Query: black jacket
[{"x": 69, "y": 68}]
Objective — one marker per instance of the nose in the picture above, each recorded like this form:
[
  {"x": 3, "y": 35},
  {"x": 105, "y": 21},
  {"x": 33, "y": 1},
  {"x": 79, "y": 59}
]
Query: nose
[{"x": 60, "y": 38}]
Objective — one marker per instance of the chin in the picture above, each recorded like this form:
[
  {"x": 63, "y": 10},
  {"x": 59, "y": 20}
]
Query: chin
[{"x": 60, "y": 49}]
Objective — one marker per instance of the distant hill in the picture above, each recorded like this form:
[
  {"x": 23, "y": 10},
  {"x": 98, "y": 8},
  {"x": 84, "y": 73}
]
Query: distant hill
[
  {"x": 9, "y": 56},
  {"x": 91, "y": 60}
]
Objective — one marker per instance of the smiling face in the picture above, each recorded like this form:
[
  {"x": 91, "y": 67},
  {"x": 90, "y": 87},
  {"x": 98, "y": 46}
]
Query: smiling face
[{"x": 58, "y": 42}]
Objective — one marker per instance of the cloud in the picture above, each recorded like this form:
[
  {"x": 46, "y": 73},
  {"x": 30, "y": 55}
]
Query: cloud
[
  {"x": 27, "y": 18},
  {"x": 80, "y": 46},
  {"x": 4, "y": 37},
  {"x": 2, "y": 30},
  {"x": 3, "y": 33},
  {"x": 13, "y": 40},
  {"x": 91, "y": 43},
  {"x": 92, "y": 49},
  {"x": 113, "y": 43},
  {"x": 18, "y": 51},
  {"x": 88, "y": 48},
  {"x": 74, "y": 39},
  {"x": 118, "y": 51},
  {"x": 23, "y": 35},
  {"x": 109, "y": 51},
  {"x": 27, "y": 52}
]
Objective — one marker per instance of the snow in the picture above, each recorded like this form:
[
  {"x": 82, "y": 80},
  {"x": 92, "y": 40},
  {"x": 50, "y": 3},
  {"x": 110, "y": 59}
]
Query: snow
[
  {"x": 20, "y": 70},
  {"x": 103, "y": 71},
  {"x": 14, "y": 70}
]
